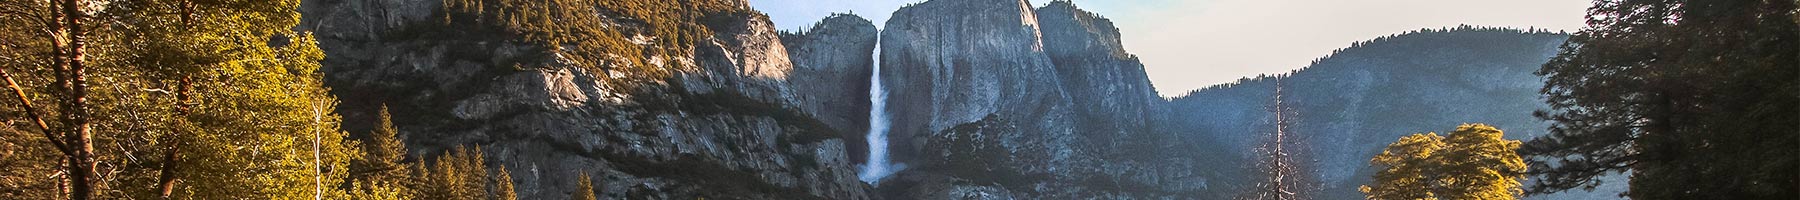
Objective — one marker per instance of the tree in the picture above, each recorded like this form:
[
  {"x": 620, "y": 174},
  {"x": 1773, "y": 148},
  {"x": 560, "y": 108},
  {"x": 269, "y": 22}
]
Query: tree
[
  {"x": 1696, "y": 99},
  {"x": 502, "y": 185},
  {"x": 584, "y": 188},
  {"x": 1281, "y": 168},
  {"x": 457, "y": 174},
  {"x": 1403, "y": 168},
  {"x": 380, "y": 173},
  {"x": 1474, "y": 162},
  {"x": 181, "y": 99}
]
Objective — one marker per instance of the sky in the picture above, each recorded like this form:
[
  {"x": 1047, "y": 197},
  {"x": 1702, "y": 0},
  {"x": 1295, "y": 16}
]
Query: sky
[{"x": 1191, "y": 44}]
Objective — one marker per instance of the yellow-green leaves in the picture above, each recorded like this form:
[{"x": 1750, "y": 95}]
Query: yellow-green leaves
[
  {"x": 1405, "y": 162},
  {"x": 1474, "y": 162},
  {"x": 622, "y": 43},
  {"x": 221, "y": 95},
  {"x": 584, "y": 188}
]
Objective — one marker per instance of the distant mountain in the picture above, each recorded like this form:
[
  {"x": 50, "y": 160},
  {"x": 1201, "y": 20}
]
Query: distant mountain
[{"x": 1355, "y": 101}]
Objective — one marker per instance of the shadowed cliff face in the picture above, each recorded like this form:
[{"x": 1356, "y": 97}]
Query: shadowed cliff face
[
  {"x": 1109, "y": 87},
  {"x": 745, "y": 115}
]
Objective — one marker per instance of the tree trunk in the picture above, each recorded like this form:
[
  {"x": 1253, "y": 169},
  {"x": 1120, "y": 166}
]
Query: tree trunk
[
  {"x": 81, "y": 161},
  {"x": 172, "y": 157}
]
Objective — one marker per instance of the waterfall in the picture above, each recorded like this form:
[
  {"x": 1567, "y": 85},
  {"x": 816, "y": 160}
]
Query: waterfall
[{"x": 877, "y": 166}]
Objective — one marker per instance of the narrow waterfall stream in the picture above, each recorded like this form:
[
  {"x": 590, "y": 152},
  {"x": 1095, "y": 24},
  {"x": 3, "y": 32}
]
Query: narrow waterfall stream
[{"x": 877, "y": 166}]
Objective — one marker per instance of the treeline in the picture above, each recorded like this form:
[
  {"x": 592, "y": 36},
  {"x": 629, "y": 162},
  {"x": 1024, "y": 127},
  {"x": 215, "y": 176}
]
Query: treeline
[
  {"x": 194, "y": 100},
  {"x": 620, "y": 38},
  {"x": 385, "y": 171},
  {"x": 1465, "y": 28}
]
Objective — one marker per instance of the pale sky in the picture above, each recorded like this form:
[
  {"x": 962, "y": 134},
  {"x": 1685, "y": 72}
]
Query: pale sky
[{"x": 1190, "y": 44}]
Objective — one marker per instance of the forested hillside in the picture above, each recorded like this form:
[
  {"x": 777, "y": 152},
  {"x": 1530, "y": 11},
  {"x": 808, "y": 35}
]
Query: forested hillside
[{"x": 1353, "y": 102}]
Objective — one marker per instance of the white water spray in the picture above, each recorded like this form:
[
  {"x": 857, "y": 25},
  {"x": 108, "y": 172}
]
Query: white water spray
[{"x": 877, "y": 166}]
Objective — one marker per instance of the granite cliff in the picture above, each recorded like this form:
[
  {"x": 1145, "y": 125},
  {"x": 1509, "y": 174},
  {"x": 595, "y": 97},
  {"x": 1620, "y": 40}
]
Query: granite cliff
[
  {"x": 742, "y": 115},
  {"x": 995, "y": 99}
]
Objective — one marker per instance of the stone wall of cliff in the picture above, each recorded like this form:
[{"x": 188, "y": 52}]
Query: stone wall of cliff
[
  {"x": 832, "y": 65},
  {"x": 996, "y": 99},
  {"x": 743, "y": 116}
]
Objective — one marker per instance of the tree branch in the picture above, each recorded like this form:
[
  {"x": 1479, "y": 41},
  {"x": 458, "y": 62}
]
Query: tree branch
[{"x": 25, "y": 103}]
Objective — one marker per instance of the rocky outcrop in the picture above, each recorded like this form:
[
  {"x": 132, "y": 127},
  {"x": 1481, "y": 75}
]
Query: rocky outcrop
[
  {"x": 832, "y": 65},
  {"x": 1109, "y": 87},
  {"x": 744, "y": 116},
  {"x": 995, "y": 99},
  {"x": 954, "y": 63}
]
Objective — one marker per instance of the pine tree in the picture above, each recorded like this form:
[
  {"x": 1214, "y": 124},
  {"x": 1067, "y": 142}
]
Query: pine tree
[
  {"x": 456, "y": 175},
  {"x": 584, "y": 188},
  {"x": 1696, "y": 99},
  {"x": 502, "y": 185},
  {"x": 380, "y": 173},
  {"x": 1474, "y": 162}
]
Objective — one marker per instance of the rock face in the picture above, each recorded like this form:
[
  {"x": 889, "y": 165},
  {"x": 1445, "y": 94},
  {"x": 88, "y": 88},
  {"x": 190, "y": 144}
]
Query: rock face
[
  {"x": 956, "y": 62},
  {"x": 995, "y": 99},
  {"x": 749, "y": 117},
  {"x": 832, "y": 65},
  {"x": 1108, "y": 86}
]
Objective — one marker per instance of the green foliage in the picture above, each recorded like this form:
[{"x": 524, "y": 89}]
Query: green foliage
[
  {"x": 1404, "y": 174},
  {"x": 217, "y": 100},
  {"x": 572, "y": 30},
  {"x": 1697, "y": 99},
  {"x": 1472, "y": 163},
  {"x": 379, "y": 173},
  {"x": 458, "y": 174},
  {"x": 27, "y": 161}
]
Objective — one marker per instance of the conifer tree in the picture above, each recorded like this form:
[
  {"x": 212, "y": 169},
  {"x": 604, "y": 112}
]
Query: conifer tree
[
  {"x": 380, "y": 173},
  {"x": 1695, "y": 99},
  {"x": 502, "y": 185},
  {"x": 584, "y": 188},
  {"x": 456, "y": 175}
]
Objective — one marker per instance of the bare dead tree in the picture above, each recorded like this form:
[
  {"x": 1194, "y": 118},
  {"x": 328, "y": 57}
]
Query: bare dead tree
[{"x": 1282, "y": 173}]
